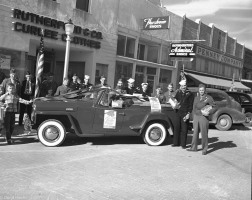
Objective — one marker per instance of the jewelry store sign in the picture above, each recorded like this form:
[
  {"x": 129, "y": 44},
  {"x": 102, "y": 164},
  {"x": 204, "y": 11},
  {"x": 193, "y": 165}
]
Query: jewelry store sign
[
  {"x": 181, "y": 50},
  {"x": 155, "y": 23}
]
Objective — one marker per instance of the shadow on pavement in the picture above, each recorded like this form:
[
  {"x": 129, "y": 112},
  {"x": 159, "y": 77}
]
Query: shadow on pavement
[
  {"x": 72, "y": 140},
  {"x": 220, "y": 145}
]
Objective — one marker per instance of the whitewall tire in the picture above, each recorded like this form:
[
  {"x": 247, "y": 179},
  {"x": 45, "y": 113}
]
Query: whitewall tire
[
  {"x": 51, "y": 133},
  {"x": 155, "y": 134}
]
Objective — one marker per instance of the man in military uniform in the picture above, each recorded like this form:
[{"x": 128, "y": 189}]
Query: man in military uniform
[
  {"x": 86, "y": 84},
  {"x": 74, "y": 85}
]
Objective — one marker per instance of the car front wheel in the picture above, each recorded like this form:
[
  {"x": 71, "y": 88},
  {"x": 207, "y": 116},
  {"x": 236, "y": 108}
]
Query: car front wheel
[
  {"x": 51, "y": 133},
  {"x": 155, "y": 134},
  {"x": 224, "y": 123}
]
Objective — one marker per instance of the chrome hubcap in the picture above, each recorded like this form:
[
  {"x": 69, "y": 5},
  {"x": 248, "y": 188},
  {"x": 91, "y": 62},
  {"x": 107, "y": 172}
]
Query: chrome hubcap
[
  {"x": 51, "y": 133},
  {"x": 223, "y": 122},
  {"x": 155, "y": 134}
]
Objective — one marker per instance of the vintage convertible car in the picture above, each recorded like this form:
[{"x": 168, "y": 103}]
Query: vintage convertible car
[{"x": 100, "y": 112}]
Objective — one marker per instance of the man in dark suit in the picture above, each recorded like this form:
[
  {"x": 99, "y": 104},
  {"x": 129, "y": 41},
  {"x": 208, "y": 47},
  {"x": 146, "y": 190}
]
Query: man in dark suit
[
  {"x": 27, "y": 93},
  {"x": 183, "y": 109}
]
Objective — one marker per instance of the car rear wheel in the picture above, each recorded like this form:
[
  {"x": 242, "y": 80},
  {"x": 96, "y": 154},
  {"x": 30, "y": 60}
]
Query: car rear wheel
[
  {"x": 224, "y": 123},
  {"x": 155, "y": 134},
  {"x": 51, "y": 133}
]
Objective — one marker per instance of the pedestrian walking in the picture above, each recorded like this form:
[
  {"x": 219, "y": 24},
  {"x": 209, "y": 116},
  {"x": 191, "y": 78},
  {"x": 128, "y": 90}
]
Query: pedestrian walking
[
  {"x": 181, "y": 119},
  {"x": 11, "y": 99},
  {"x": 203, "y": 106},
  {"x": 64, "y": 88},
  {"x": 27, "y": 93}
]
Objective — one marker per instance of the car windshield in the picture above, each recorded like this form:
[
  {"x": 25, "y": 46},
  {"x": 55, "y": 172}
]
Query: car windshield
[{"x": 80, "y": 94}]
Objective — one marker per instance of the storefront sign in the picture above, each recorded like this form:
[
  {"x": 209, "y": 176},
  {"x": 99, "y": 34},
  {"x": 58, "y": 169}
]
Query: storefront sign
[
  {"x": 182, "y": 50},
  {"x": 55, "y": 24},
  {"x": 5, "y": 61},
  {"x": 154, "y": 23},
  {"x": 218, "y": 57}
]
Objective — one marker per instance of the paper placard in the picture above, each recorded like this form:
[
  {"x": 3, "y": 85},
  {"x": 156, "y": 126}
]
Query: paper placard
[
  {"x": 155, "y": 104},
  {"x": 109, "y": 119}
]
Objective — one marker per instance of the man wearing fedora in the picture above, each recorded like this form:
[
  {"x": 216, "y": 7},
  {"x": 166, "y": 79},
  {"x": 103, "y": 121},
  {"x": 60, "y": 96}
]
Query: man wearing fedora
[
  {"x": 182, "y": 112},
  {"x": 27, "y": 93}
]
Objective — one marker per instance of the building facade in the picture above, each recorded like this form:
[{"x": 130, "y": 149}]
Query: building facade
[
  {"x": 247, "y": 68},
  {"x": 219, "y": 58},
  {"x": 108, "y": 39}
]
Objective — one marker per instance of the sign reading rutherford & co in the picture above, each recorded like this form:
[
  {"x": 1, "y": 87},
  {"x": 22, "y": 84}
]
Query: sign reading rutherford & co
[{"x": 154, "y": 23}]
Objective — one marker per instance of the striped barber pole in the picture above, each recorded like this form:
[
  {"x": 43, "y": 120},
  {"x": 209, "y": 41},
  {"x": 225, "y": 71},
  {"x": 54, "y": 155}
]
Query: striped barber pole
[{"x": 39, "y": 65}]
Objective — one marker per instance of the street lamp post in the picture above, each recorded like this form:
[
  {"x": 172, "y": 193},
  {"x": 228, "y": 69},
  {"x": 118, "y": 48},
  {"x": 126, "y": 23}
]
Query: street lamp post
[{"x": 69, "y": 28}]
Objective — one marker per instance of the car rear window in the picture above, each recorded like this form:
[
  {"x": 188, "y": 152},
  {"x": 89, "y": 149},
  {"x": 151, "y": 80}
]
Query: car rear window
[{"x": 217, "y": 96}]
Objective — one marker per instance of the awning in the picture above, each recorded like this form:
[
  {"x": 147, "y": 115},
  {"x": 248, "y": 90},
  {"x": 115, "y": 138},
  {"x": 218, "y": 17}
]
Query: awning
[{"x": 218, "y": 82}]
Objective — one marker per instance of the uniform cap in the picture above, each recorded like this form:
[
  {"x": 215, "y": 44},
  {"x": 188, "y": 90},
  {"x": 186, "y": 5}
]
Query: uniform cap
[
  {"x": 131, "y": 80},
  {"x": 144, "y": 84},
  {"x": 182, "y": 82},
  {"x": 87, "y": 77}
]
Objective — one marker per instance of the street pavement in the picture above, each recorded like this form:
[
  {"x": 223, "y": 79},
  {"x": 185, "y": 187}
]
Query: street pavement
[{"x": 119, "y": 168}]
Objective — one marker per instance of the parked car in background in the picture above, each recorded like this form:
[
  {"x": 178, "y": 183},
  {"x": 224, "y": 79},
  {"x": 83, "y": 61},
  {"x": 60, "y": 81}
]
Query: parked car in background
[
  {"x": 245, "y": 100},
  {"x": 100, "y": 112},
  {"x": 228, "y": 110}
]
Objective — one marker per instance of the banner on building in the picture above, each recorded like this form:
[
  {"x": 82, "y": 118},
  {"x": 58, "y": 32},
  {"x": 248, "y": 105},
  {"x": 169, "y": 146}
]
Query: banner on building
[
  {"x": 155, "y": 23},
  {"x": 5, "y": 61},
  {"x": 180, "y": 50}
]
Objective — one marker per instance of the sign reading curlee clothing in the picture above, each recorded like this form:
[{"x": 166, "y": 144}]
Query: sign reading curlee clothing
[
  {"x": 182, "y": 50},
  {"x": 154, "y": 23},
  {"x": 38, "y": 20}
]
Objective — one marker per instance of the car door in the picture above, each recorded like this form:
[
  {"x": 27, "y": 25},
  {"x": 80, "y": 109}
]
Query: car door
[{"x": 107, "y": 119}]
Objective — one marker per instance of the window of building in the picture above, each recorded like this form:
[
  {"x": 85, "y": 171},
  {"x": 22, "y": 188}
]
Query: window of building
[
  {"x": 152, "y": 54},
  {"x": 219, "y": 40},
  {"x": 165, "y": 56},
  {"x": 140, "y": 51},
  {"x": 123, "y": 71},
  {"x": 121, "y": 41},
  {"x": 165, "y": 77},
  {"x": 82, "y": 5},
  {"x": 125, "y": 46}
]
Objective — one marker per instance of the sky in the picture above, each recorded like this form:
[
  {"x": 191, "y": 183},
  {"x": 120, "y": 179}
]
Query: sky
[{"x": 233, "y": 16}]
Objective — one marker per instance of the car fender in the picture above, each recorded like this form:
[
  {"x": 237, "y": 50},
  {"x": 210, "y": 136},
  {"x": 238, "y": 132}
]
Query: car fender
[
  {"x": 236, "y": 116},
  {"x": 153, "y": 117}
]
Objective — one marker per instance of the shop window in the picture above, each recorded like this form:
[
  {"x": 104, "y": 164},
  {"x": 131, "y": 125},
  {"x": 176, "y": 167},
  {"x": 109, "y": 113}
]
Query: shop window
[
  {"x": 165, "y": 56},
  {"x": 152, "y": 54},
  {"x": 82, "y": 5},
  {"x": 123, "y": 71},
  {"x": 151, "y": 71},
  {"x": 140, "y": 51},
  {"x": 165, "y": 77},
  {"x": 130, "y": 47},
  {"x": 125, "y": 46}
]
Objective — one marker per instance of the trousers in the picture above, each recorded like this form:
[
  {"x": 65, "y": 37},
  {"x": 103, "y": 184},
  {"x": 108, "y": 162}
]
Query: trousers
[
  {"x": 180, "y": 130},
  {"x": 9, "y": 123},
  {"x": 200, "y": 124}
]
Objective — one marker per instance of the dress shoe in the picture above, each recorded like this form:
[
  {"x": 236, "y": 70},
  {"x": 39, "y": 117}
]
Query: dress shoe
[
  {"x": 204, "y": 153},
  {"x": 9, "y": 142},
  {"x": 192, "y": 150}
]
